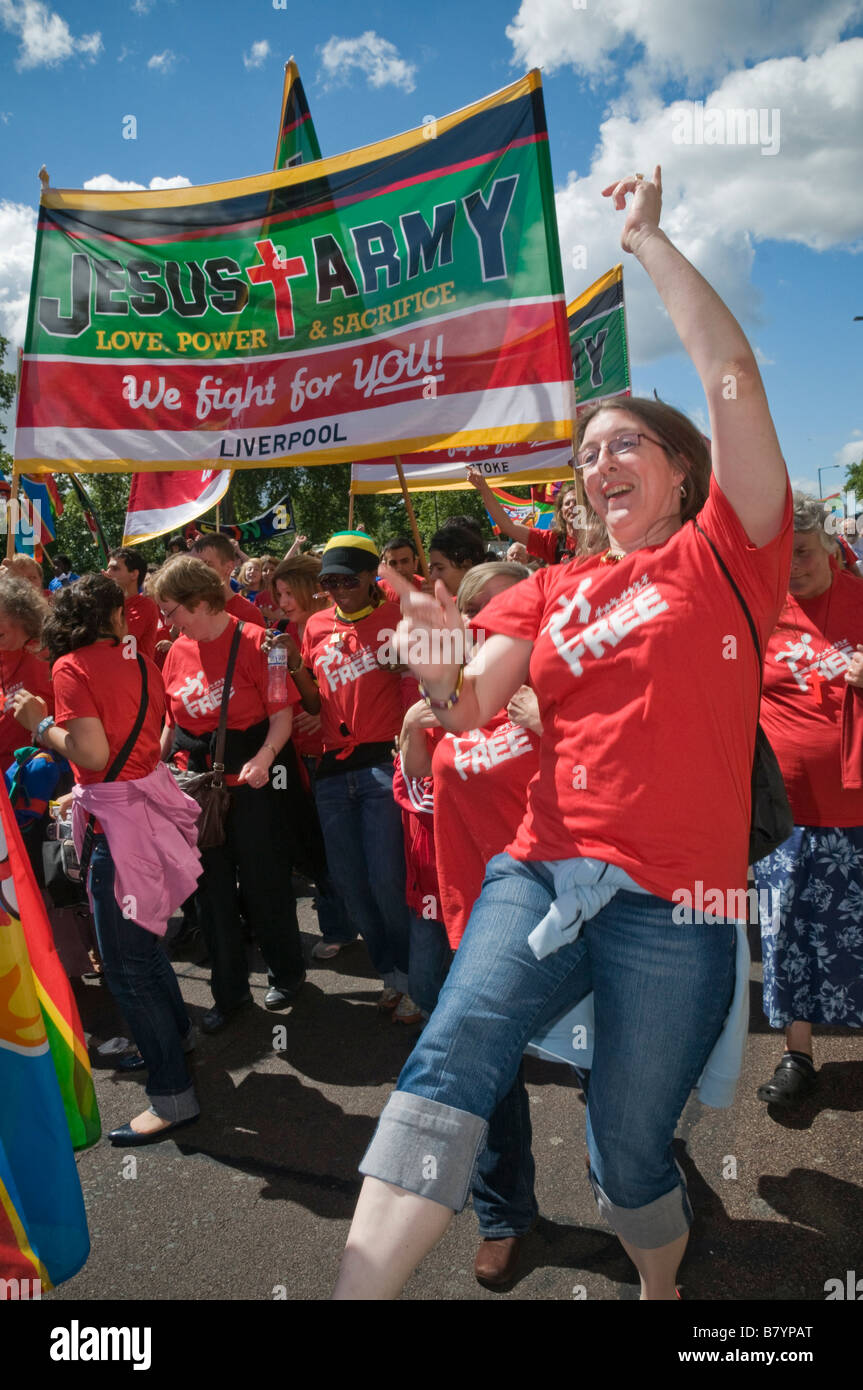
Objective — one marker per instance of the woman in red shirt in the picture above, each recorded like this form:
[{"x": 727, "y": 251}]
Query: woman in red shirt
[
  {"x": 22, "y": 613},
  {"x": 254, "y": 863},
  {"x": 553, "y": 546},
  {"x": 349, "y": 649},
  {"x": 98, "y": 693},
  {"x": 641, "y": 708},
  {"x": 810, "y": 889}
]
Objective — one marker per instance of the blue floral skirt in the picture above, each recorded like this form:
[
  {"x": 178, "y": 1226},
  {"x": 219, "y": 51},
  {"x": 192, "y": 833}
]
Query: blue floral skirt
[{"x": 810, "y": 897}]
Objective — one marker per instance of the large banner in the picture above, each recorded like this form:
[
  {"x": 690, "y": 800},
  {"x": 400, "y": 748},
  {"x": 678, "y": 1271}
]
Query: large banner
[
  {"x": 297, "y": 143},
  {"x": 445, "y": 468},
  {"x": 597, "y": 336},
  {"x": 401, "y": 297},
  {"x": 164, "y": 502}
]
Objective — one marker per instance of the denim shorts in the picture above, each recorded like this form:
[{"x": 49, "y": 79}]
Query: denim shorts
[{"x": 661, "y": 994}]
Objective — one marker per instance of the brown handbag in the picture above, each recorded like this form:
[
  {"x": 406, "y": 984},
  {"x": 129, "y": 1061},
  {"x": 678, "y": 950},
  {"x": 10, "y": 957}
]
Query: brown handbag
[{"x": 208, "y": 788}]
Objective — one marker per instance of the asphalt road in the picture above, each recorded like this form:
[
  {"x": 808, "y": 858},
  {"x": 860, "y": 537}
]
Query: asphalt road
[{"x": 254, "y": 1201}]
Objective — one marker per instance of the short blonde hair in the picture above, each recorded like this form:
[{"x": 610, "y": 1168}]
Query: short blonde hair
[
  {"x": 186, "y": 580},
  {"x": 476, "y": 579},
  {"x": 26, "y": 568}
]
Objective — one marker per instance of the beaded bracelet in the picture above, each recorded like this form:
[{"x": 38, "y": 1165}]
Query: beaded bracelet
[
  {"x": 41, "y": 728},
  {"x": 451, "y": 700}
]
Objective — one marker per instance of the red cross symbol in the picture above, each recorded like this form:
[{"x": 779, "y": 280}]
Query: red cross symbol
[{"x": 278, "y": 273}]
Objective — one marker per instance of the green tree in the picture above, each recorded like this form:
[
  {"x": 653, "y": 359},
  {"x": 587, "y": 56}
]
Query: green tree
[
  {"x": 854, "y": 480},
  {"x": 7, "y": 395}
]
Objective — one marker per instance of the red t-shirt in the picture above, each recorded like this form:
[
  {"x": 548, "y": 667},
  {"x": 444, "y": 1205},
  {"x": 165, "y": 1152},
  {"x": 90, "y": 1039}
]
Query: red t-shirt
[
  {"x": 480, "y": 780},
  {"x": 415, "y": 797},
  {"x": 244, "y": 611},
  {"x": 142, "y": 620},
  {"x": 543, "y": 544},
  {"x": 21, "y": 670},
  {"x": 389, "y": 592},
  {"x": 361, "y": 700},
  {"x": 804, "y": 694},
  {"x": 100, "y": 682},
  {"x": 194, "y": 675},
  {"x": 647, "y": 681}
]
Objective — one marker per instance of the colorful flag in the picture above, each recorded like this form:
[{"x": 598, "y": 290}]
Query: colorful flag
[
  {"x": 47, "y": 1101},
  {"x": 273, "y": 522},
  {"x": 400, "y": 297},
  {"x": 164, "y": 502},
  {"x": 525, "y": 512},
  {"x": 597, "y": 337},
  {"x": 297, "y": 143},
  {"x": 445, "y": 468},
  {"x": 91, "y": 517}
]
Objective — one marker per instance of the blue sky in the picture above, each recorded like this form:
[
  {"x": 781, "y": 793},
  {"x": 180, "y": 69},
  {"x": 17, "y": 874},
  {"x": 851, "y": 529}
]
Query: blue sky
[{"x": 779, "y": 234}]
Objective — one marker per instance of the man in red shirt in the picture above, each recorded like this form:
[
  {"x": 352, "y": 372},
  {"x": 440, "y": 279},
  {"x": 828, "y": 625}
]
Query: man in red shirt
[
  {"x": 399, "y": 556},
  {"x": 218, "y": 552},
  {"x": 128, "y": 568}
]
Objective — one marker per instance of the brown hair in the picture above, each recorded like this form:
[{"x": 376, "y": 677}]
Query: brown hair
[
  {"x": 684, "y": 443},
  {"x": 301, "y": 574},
  {"x": 21, "y": 603},
  {"x": 218, "y": 542},
  {"x": 558, "y": 523},
  {"x": 186, "y": 580}
]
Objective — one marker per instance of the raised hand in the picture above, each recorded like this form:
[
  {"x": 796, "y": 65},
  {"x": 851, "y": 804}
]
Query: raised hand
[
  {"x": 642, "y": 218},
  {"x": 430, "y": 639}
]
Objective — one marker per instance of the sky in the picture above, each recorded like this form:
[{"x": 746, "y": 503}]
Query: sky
[{"x": 771, "y": 212}]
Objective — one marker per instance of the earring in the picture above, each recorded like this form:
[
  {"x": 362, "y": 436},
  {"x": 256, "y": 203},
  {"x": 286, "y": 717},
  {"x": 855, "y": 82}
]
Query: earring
[{"x": 682, "y": 492}]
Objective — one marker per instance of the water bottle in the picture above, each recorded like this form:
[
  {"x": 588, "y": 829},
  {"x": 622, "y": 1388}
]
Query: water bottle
[{"x": 277, "y": 676}]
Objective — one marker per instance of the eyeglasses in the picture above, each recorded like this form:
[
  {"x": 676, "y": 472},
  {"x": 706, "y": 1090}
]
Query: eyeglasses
[
  {"x": 621, "y": 444},
  {"x": 166, "y": 617},
  {"x": 329, "y": 582}
]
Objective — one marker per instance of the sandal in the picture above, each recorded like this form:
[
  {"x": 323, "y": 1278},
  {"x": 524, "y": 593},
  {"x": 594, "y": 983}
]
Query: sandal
[{"x": 791, "y": 1081}]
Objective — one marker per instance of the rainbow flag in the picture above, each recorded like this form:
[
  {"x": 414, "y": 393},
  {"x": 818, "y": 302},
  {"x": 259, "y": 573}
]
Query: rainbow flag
[
  {"x": 47, "y": 1101},
  {"x": 525, "y": 511},
  {"x": 298, "y": 143}
]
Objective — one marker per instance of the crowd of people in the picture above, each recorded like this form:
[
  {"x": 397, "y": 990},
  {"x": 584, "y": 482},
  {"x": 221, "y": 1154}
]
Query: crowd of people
[{"x": 505, "y": 777}]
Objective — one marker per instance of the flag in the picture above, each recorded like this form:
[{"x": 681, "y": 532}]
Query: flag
[
  {"x": 445, "y": 468},
  {"x": 273, "y": 522},
  {"x": 597, "y": 337},
  {"x": 297, "y": 143},
  {"x": 164, "y": 502},
  {"x": 400, "y": 297},
  {"x": 91, "y": 517},
  {"x": 36, "y": 524},
  {"x": 525, "y": 512},
  {"x": 47, "y": 1101}
]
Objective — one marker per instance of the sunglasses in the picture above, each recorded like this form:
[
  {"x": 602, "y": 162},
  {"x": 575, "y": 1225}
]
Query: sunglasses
[{"x": 330, "y": 582}]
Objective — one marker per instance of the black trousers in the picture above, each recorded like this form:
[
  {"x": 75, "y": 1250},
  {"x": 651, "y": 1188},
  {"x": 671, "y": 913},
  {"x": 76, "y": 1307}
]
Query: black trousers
[{"x": 257, "y": 861}]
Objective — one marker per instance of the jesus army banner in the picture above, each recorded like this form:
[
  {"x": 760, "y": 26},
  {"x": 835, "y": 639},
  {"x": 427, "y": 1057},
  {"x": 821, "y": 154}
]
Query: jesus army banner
[{"x": 401, "y": 297}]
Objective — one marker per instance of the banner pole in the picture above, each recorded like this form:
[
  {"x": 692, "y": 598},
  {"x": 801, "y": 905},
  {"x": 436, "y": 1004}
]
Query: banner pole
[
  {"x": 412, "y": 519},
  {"x": 350, "y": 511},
  {"x": 12, "y": 513}
]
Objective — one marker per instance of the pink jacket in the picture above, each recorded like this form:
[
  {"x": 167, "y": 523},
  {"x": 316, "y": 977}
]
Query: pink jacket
[{"x": 151, "y": 827}]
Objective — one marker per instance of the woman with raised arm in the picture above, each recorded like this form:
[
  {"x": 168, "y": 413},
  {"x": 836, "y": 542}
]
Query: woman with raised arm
[
  {"x": 648, "y": 681},
  {"x": 558, "y": 543}
]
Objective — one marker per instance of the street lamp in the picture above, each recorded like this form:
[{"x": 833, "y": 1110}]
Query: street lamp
[{"x": 826, "y": 469}]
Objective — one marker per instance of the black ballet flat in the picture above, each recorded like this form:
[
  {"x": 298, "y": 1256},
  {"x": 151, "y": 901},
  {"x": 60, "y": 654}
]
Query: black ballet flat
[{"x": 128, "y": 1138}]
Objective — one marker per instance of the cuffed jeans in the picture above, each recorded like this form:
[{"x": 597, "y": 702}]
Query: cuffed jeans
[
  {"x": 142, "y": 980},
  {"x": 362, "y": 828},
  {"x": 502, "y": 1190},
  {"x": 258, "y": 853},
  {"x": 661, "y": 994}
]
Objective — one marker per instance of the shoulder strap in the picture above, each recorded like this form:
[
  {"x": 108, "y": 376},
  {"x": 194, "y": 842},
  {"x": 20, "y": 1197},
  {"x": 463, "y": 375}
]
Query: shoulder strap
[
  {"x": 120, "y": 761},
  {"x": 741, "y": 600},
  {"x": 219, "y": 747}
]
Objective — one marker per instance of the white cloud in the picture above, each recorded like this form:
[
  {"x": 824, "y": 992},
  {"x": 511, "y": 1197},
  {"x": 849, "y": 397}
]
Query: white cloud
[
  {"x": 142, "y": 7},
  {"x": 46, "y": 39},
  {"x": 255, "y": 57},
  {"x": 17, "y": 243},
  {"x": 370, "y": 54},
  {"x": 107, "y": 183},
  {"x": 720, "y": 200},
  {"x": 665, "y": 37},
  {"x": 162, "y": 62},
  {"x": 850, "y": 453}
]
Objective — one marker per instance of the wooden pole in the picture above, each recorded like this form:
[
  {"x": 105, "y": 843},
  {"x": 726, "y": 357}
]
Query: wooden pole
[
  {"x": 350, "y": 511},
  {"x": 412, "y": 519}
]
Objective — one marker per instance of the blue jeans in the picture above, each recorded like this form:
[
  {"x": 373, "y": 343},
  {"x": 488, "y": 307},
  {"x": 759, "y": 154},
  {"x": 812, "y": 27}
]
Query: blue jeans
[
  {"x": 362, "y": 828},
  {"x": 142, "y": 980},
  {"x": 503, "y": 1195},
  {"x": 661, "y": 993},
  {"x": 332, "y": 918}
]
